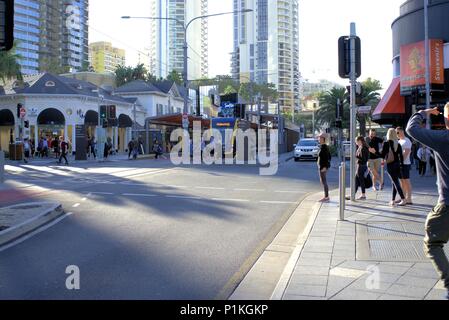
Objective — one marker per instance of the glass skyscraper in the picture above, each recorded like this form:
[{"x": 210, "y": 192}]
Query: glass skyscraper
[
  {"x": 52, "y": 35},
  {"x": 266, "y": 47}
]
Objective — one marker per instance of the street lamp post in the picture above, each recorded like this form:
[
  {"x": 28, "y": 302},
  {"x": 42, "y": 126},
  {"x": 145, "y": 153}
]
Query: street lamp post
[
  {"x": 185, "y": 44},
  {"x": 427, "y": 46}
]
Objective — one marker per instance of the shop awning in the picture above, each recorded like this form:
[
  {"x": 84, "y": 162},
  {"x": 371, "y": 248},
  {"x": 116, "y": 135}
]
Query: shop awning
[
  {"x": 175, "y": 120},
  {"x": 392, "y": 106}
]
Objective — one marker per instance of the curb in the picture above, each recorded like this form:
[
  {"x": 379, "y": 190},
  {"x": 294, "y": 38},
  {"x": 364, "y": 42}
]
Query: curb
[
  {"x": 269, "y": 277},
  {"x": 15, "y": 232}
]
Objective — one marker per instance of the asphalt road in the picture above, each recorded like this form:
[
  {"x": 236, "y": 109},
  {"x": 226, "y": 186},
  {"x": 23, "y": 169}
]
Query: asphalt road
[{"x": 149, "y": 230}]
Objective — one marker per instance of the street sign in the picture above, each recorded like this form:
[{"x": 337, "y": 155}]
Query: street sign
[
  {"x": 364, "y": 110},
  {"x": 23, "y": 113}
]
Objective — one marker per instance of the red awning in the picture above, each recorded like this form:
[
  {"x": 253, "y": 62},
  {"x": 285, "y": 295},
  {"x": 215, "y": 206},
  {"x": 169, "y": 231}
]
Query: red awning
[{"x": 392, "y": 105}]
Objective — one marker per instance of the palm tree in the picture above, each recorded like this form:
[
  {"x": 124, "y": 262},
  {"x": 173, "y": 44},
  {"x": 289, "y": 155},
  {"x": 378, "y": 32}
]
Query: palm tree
[
  {"x": 326, "y": 114},
  {"x": 9, "y": 65},
  {"x": 175, "y": 77},
  {"x": 368, "y": 97},
  {"x": 123, "y": 75}
]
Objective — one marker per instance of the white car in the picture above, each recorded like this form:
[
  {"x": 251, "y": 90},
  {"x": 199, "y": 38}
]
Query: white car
[{"x": 307, "y": 149}]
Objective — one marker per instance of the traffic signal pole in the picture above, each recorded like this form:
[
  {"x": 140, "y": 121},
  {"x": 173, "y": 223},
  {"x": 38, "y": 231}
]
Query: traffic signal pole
[{"x": 353, "y": 78}]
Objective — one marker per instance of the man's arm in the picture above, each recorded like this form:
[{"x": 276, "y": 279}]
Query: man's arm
[{"x": 436, "y": 140}]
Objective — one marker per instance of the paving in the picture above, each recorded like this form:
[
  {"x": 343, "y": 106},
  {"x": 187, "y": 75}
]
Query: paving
[{"x": 375, "y": 254}]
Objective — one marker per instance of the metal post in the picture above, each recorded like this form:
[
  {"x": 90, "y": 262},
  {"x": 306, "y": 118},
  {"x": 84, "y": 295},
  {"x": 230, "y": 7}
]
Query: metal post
[
  {"x": 342, "y": 190},
  {"x": 185, "y": 74},
  {"x": 2, "y": 167},
  {"x": 426, "y": 33},
  {"x": 353, "y": 78}
]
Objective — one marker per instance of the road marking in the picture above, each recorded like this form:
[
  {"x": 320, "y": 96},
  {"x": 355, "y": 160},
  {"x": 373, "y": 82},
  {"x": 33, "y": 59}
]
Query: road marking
[
  {"x": 251, "y": 190},
  {"x": 229, "y": 200},
  {"x": 278, "y": 202},
  {"x": 184, "y": 197},
  {"x": 100, "y": 193},
  {"x": 138, "y": 195},
  {"x": 286, "y": 191},
  {"x": 83, "y": 199},
  {"x": 210, "y": 188},
  {"x": 176, "y": 187},
  {"x": 76, "y": 205},
  {"x": 35, "y": 232}
]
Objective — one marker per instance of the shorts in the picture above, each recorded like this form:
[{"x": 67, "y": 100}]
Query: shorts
[
  {"x": 405, "y": 172},
  {"x": 375, "y": 165},
  {"x": 27, "y": 153}
]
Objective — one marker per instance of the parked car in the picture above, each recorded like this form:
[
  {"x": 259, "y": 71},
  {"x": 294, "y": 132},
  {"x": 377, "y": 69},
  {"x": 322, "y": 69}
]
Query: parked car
[{"x": 307, "y": 149}]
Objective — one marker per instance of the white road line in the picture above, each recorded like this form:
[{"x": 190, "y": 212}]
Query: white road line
[
  {"x": 35, "y": 232},
  {"x": 100, "y": 193},
  {"x": 76, "y": 205},
  {"x": 251, "y": 190},
  {"x": 278, "y": 202},
  {"x": 210, "y": 188},
  {"x": 184, "y": 197},
  {"x": 286, "y": 191},
  {"x": 229, "y": 200},
  {"x": 138, "y": 195},
  {"x": 176, "y": 187},
  {"x": 83, "y": 199}
]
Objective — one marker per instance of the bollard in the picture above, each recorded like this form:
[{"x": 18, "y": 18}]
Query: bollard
[
  {"x": 2, "y": 167},
  {"x": 342, "y": 191}
]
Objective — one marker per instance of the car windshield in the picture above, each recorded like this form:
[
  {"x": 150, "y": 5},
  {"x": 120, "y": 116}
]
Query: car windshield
[{"x": 308, "y": 143}]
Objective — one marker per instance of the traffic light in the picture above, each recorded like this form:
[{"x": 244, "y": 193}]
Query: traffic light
[
  {"x": 6, "y": 24},
  {"x": 27, "y": 124},
  {"x": 112, "y": 113},
  {"x": 339, "y": 124},
  {"x": 19, "y": 106},
  {"x": 339, "y": 110},
  {"x": 103, "y": 112},
  {"x": 104, "y": 123},
  {"x": 344, "y": 57},
  {"x": 358, "y": 96}
]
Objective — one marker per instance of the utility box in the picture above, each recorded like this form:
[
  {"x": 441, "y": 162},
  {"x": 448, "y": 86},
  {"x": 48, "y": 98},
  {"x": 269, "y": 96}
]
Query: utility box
[{"x": 16, "y": 151}]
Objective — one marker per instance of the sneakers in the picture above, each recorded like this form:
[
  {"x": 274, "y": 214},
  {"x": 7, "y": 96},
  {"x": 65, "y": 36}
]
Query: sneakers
[
  {"x": 402, "y": 203},
  {"x": 325, "y": 200},
  {"x": 362, "y": 198}
]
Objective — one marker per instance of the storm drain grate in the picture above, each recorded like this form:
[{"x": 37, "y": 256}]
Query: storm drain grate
[{"x": 390, "y": 241}]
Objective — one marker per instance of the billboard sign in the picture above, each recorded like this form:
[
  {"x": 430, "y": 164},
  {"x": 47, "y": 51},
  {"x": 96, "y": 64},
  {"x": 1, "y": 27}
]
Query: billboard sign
[{"x": 413, "y": 67}]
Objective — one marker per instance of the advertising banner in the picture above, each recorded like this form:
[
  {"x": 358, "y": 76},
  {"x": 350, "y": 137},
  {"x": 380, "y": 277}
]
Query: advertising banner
[{"x": 413, "y": 67}]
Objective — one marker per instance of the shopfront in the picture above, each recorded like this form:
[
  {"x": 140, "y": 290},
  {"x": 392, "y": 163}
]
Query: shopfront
[
  {"x": 407, "y": 92},
  {"x": 6, "y": 129}
]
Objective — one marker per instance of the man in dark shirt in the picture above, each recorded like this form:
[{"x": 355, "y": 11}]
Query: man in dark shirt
[
  {"x": 375, "y": 159},
  {"x": 437, "y": 225}
]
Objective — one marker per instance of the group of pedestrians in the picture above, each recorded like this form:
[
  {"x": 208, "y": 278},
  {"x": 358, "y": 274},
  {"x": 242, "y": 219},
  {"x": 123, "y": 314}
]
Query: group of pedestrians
[
  {"x": 59, "y": 145},
  {"x": 398, "y": 154}
]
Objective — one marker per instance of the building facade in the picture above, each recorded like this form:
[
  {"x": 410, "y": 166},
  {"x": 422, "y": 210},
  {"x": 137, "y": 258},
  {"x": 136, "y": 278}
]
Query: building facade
[
  {"x": 52, "y": 35},
  {"x": 103, "y": 57},
  {"x": 55, "y": 105},
  {"x": 266, "y": 47},
  {"x": 402, "y": 99},
  {"x": 167, "y": 38}
]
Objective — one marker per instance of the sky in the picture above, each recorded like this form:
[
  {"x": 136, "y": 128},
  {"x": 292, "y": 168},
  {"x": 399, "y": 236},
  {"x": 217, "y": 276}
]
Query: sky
[{"x": 322, "y": 22}]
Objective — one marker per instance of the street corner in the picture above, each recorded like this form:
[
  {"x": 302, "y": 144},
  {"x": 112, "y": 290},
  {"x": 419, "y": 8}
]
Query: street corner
[{"x": 19, "y": 220}]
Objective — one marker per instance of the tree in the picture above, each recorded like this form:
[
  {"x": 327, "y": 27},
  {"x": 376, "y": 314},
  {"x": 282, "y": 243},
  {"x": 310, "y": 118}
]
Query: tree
[
  {"x": 125, "y": 74},
  {"x": 175, "y": 77},
  {"x": 227, "y": 85},
  {"x": 369, "y": 97},
  {"x": 267, "y": 92},
  {"x": 52, "y": 65},
  {"x": 326, "y": 113},
  {"x": 9, "y": 65}
]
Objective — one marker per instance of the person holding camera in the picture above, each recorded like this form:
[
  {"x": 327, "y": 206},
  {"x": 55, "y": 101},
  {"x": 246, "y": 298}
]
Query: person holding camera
[{"x": 437, "y": 224}]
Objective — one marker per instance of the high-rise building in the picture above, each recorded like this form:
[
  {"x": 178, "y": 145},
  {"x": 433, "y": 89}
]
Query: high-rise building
[
  {"x": 27, "y": 34},
  {"x": 52, "y": 35},
  {"x": 266, "y": 47},
  {"x": 167, "y": 38},
  {"x": 103, "y": 57}
]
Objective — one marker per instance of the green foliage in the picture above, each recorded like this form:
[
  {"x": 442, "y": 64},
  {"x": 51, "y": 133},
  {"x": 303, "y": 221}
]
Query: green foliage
[
  {"x": 126, "y": 74},
  {"x": 9, "y": 65},
  {"x": 174, "y": 76}
]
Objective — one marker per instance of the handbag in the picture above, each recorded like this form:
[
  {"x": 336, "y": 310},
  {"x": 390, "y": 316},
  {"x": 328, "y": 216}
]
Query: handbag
[
  {"x": 390, "y": 155},
  {"x": 368, "y": 180}
]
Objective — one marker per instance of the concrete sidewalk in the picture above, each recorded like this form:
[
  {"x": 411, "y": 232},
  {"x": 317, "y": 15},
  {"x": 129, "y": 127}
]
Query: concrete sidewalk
[{"x": 375, "y": 254}]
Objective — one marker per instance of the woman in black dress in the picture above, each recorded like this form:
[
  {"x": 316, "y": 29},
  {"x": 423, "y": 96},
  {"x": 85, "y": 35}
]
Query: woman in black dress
[
  {"x": 362, "y": 156},
  {"x": 324, "y": 164},
  {"x": 392, "y": 153}
]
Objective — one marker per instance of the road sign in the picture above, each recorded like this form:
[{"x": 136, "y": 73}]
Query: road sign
[
  {"x": 23, "y": 113},
  {"x": 364, "y": 110}
]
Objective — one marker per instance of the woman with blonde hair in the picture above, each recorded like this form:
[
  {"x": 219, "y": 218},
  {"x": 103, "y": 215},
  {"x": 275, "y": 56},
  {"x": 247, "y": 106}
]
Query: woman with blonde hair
[{"x": 392, "y": 153}]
